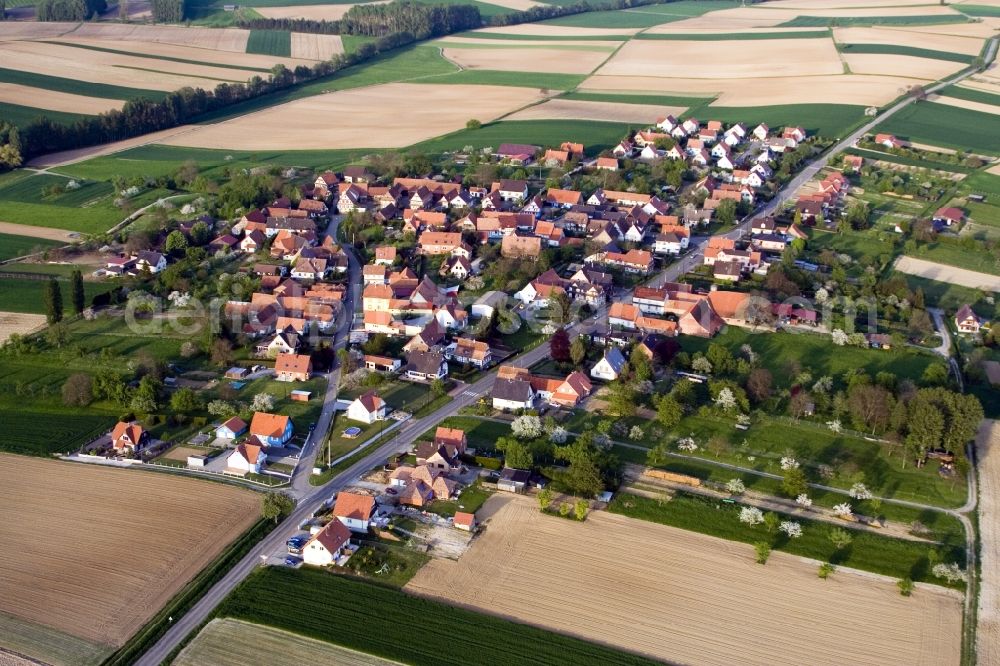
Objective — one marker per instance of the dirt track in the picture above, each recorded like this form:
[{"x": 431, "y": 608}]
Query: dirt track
[
  {"x": 19, "y": 323},
  {"x": 686, "y": 597},
  {"x": 945, "y": 273},
  {"x": 37, "y": 232},
  {"x": 95, "y": 552},
  {"x": 988, "y": 455}
]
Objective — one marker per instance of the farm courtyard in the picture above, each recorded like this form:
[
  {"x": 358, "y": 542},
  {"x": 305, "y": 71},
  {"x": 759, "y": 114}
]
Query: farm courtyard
[
  {"x": 664, "y": 592},
  {"x": 92, "y": 553}
]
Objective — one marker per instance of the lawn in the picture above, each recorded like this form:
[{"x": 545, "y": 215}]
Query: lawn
[
  {"x": 897, "y": 558},
  {"x": 870, "y": 245},
  {"x": 897, "y": 49},
  {"x": 76, "y": 86},
  {"x": 983, "y": 213},
  {"x": 978, "y": 259},
  {"x": 813, "y": 352},
  {"x": 88, "y": 210},
  {"x": 24, "y": 115},
  {"x": 829, "y": 120},
  {"x": 489, "y": 77},
  {"x": 471, "y": 499},
  {"x": 387, "y": 564},
  {"x": 946, "y": 126},
  {"x": 949, "y": 296},
  {"x": 596, "y": 136},
  {"x": 863, "y": 21},
  {"x": 270, "y": 42},
  {"x": 17, "y": 246},
  {"x": 27, "y": 295},
  {"x": 423, "y": 631}
]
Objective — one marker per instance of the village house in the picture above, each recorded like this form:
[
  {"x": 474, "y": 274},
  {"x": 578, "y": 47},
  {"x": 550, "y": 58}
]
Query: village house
[
  {"x": 129, "y": 436},
  {"x": 512, "y": 394},
  {"x": 513, "y": 480},
  {"x": 425, "y": 366},
  {"x": 354, "y": 510},
  {"x": 367, "y": 408},
  {"x": 967, "y": 321},
  {"x": 271, "y": 429},
  {"x": 292, "y": 367},
  {"x": 610, "y": 367},
  {"x": 310, "y": 269},
  {"x": 949, "y": 216},
  {"x": 246, "y": 459},
  {"x": 512, "y": 190},
  {"x": 382, "y": 363},
  {"x": 385, "y": 255},
  {"x": 467, "y": 350},
  {"x": 231, "y": 429},
  {"x": 441, "y": 242},
  {"x": 327, "y": 546}
]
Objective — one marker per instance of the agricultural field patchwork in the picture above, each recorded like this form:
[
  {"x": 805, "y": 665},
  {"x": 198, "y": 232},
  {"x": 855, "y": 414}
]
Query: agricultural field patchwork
[{"x": 100, "y": 595}]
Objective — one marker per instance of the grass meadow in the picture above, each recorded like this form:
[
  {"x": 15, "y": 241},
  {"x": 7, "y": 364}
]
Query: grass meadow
[
  {"x": 946, "y": 126},
  {"x": 270, "y": 42},
  {"x": 868, "y": 21},
  {"x": 304, "y": 600},
  {"x": 17, "y": 246}
]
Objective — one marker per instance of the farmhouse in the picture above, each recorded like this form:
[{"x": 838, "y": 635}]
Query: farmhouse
[
  {"x": 292, "y": 367},
  {"x": 949, "y": 216},
  {"x": 354, "y": 510},
  {"x": 367, "y": 408},
  {"x": 328, "y": 545},
  {"x": 129, "y": 436}
]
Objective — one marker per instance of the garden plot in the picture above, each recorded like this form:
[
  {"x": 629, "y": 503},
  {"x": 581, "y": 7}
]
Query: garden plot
[
  {"x": 945, "y": 273},
  {"x": 559, "y": 109},
  {"x": 686, "y": 597},
  {"x": 843, "y": 89},
  {"x": 517, "y": 58},
  {"x": 94, "y": 552},
  {"x": 19, "y": 323},
  {"x": 365, "y": 118},
  {"x": 725, "y": 59},
  {"x": 927, "y": 69}
]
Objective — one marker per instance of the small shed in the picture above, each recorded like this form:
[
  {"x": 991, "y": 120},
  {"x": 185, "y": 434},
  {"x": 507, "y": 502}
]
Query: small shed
[
  {"x": 236, "y": 373},
  {"x": 465, "y": 521},
  {"x": 300, "y": 395},
  {"x": 513, "y": 480}
]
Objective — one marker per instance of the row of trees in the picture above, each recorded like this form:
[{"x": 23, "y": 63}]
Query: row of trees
[
  {"x": 168, "y": 11},
  {"x": 69, "y": 10},
  {"x": 54, "y": 300},
  {"x": 397, "y": 18}
]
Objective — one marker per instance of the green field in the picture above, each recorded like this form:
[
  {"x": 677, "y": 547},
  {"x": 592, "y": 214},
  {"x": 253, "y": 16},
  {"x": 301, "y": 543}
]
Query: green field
[
  {"x": 979, "y": 10},
  {"x": 509, "y": 36},
  {"x": 946, "y": 126},
  {"x": 17, "y": 246},
  {"x": 863, "y": 21},
  {"x": 596, "y": 136},
  {"x": 982, "y": 183},
  {"x": 75, "y": 86},
  {"x": 270, "y": 42},
  {"x": 40, "y": 433},
  {"x": 829, "y": 120},
  {"x": 24, "y": 115},
  {"x": 814, "y": 352},
  {"x": 482, "y": 434},
  {"x": 971, "y": 94},
  {"x": 423, "y": 631},
  {"x": 665, "y": 100},
  {"x": 734, "y": 36},
  {"x": 26, "y": 295},
  {"x": 599, "y": 48},
  {"x": 897, "y": 558},
  {"x": 870, "y": 245},
  {"x": 972, "y": 259},
  {"x": 896, "y": 49},
  {"x": 489, "y": 77}
]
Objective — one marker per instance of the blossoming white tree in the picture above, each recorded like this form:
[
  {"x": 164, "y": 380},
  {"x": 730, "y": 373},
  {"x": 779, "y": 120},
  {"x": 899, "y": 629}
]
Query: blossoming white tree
[
  {"x": 950, "y": 572},
  {"x": 262, "y": 402},
  {"x": 751, "y": 515},
  {"x": 702, "y": 365},
  {"x": 838, "y": 337},
  {"x": 859, "y": 491},
  {"x": 788, "y": 463},
  {"x": 687, "y": 444},
  {"x": 636, "y": 433},
  {"x": 558, "y": 435},
  {"x": 726, "y": 401},
  {"x": 526, "y": 427},
  {"x": 835, "y": 426},
  {"x": 843, "y": 510},
  {"x": 804, "y": 501},
  {"x": 791, "y": 528},
  {"x": 735, "y": 486}
]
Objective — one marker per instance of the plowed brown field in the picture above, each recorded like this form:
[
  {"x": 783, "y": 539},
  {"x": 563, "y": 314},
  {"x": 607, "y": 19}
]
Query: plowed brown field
[
  {"x": 94, "y": 552},
  {"x": 686, "y": 597}
]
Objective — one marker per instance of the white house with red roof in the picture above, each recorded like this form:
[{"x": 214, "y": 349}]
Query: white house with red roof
[
  {"x": 328, "y": 545},
  {"x": 354, "y": 510},
  {"x": 367, "y": 408}
]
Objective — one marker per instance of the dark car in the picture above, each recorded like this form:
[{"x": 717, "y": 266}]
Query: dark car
[
  {"x": 312, "y": 426},
  {"x": 390, "y": 491},
  {"x": 292, "y": 561}
]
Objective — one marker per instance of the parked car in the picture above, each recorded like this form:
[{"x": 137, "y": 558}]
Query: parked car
[{"x": 292, "y": 561}]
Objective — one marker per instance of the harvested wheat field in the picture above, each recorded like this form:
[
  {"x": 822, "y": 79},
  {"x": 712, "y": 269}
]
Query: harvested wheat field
[
  {"x": 168, "y": 51},
  {"x": 19, "y": 323},
  {"x": 216, "y": 39},
  {"x": 769, "y": 15},
  {"x": 543, "y": 30},
  {"x": 113, "y": 68},
  {"x": 945, "y": 273},
  {"x": 308, "y": 46},
  {"x": 725, "y": 59},
  {"x": 965, "y": 104},
  {"x": 813, "y": 5},
  {"x": 686, "y": 597},
  {"x": 519, "y": 59},
  {"x": 94, "y": 552},
  {"x": 312, "y": 12},
  {"x": 14, "y": 93},
  {"x": 927, "y": 69},
  {"x": 905, "y": 37},
  {"x": 569, "y": 109},
  {"x": 988, "y": 630},
  {"x": 229, "y": 642},
  {"x": 843, "y": 89},
  {"x": 361, "y": 118}
]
